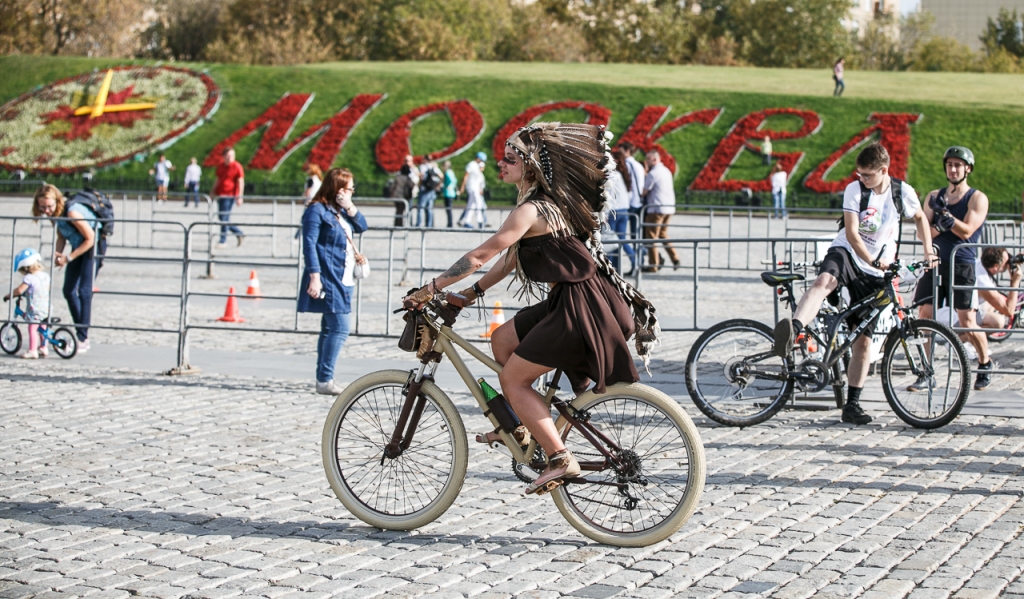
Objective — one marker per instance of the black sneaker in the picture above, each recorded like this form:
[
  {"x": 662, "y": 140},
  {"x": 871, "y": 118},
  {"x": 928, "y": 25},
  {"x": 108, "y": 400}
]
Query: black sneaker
[
  {"x": 784, "y": 338},
  {"x": 854, "y": 414},
  {"x": 923, "y": 382},
  {"x": 984, "y": 375}
]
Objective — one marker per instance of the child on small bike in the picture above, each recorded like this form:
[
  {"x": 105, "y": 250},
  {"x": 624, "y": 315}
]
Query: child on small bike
[{"x": 35, "y": 286}]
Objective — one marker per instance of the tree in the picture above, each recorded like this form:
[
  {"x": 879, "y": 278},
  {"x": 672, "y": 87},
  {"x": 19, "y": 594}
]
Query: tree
[
  {"x": 1004, "y": 33},
  {"x": 182, "y": 30},
  {"x": 787, "y": 33},
  {"x": 944, "y": 54},
  {"x": 890, "y": 45}
]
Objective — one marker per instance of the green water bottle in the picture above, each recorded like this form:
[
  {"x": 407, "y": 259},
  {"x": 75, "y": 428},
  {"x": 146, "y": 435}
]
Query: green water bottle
[{"x": 498, "y": 405}]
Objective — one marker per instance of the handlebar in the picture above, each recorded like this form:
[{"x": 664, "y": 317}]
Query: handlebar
[{"x": 445, "y": 305}]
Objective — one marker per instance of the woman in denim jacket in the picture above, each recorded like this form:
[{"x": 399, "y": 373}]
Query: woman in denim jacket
[{"x": 328, "y": 225}]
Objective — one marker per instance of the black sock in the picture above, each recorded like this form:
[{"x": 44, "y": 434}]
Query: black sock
[
  {"x": 853, "y": 395},
  {"x": 798, "y": 327}
]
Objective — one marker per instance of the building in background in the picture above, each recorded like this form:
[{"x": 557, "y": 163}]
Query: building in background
[
  {"x": 863, "y": 11},
  {"x": 965, "y": 20}
]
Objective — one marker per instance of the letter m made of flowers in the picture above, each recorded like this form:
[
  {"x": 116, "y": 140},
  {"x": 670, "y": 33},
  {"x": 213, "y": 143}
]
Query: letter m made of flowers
[{"x": 280, "y": 119}]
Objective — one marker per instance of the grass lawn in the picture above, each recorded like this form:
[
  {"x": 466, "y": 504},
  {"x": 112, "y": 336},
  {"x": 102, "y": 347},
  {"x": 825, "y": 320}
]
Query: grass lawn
[{"x": 978, "y": 110}]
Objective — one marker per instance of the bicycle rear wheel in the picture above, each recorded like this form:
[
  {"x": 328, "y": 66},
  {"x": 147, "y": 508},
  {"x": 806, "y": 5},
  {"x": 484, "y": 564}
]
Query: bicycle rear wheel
[
  {"x": 932, "y": 360},
  {"x": 402, "y": 493},
  {"x": 717, "y": 373},
  {"x": 65, "y": 343},
  {"x": 662, "y": 478}
]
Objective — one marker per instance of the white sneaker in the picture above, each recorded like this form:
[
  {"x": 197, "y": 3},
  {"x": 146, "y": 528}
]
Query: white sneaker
[
  {"x": 972, "y": 354},
  {"x": 30, "y": 355},
  {"x": 43, "y": 352},
  {"x": 83, "y": 346},
  {"x": 328, "y": 388}
]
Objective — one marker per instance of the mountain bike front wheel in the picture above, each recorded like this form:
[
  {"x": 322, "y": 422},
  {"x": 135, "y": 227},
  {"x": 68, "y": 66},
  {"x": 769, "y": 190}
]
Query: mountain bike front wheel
[
  {"x": 926, "y": 377},
  {"x": 660, "y": 476},
  {"x": 412, "y": 489},
  {"x": 719, "y": 373}
]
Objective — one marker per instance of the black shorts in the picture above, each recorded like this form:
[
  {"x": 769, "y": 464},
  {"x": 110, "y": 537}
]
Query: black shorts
[
  {"x": 963, "y": 274},
  {"x": 840, "y": 264}
]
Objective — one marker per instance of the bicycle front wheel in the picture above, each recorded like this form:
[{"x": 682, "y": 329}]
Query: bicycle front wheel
[
  {"x": 655, "y": 490},
  {"x": 10, "y": 338},
  {"x": 719, "y": 373},
  {"x": 399, "y": 493},
  {"x": 926, "y": 377}
]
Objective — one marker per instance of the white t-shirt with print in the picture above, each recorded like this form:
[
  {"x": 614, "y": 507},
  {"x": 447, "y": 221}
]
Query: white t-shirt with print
[
  {"x": 163, "y": 169},
  {"x": 879, "y": 224}
]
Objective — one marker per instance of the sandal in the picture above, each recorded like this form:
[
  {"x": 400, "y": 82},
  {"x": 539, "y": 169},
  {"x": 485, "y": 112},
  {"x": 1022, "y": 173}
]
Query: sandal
[
  {"x": 520, "y": 434},
  {"x": 562, "y": 465}
]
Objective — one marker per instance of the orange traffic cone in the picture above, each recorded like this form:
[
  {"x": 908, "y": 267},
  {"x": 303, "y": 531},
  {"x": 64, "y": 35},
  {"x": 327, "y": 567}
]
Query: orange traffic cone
[
  {"x": 254, "y": 286},
  {"x": 497, "y": 319},
  {"x": 231, "y": 309}
]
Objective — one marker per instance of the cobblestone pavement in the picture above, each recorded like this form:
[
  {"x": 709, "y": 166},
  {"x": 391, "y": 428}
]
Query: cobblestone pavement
[{"x": 116, "y": 483}]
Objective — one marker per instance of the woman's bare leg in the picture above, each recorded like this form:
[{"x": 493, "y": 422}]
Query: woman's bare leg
[
  {"x": 504, "y": 341},
  {"x": 517, "y": 379}
]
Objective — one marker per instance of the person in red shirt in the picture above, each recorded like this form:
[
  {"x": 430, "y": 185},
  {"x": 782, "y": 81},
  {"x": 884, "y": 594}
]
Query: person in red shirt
[{"x": 229, "y": 189}]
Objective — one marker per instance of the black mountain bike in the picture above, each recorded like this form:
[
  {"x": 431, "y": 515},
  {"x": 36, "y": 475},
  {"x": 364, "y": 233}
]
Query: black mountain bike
[{"x": 735, "y": 378}]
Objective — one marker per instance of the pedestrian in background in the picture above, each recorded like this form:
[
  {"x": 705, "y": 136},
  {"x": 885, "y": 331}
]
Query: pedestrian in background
[
  {"x": 431, "y": 181},
  {"x": 400, "y": 188},
  {"x": 779, "y": 181},
  {"x": 162, "y": 169},
  {"x": 35, "y": 286},
  {"x": 473, "y": 185},
  {"x": 451, "y": 190},
  {"x": 618, "y": 206},
  {"x": 837, "y": 76},
  {"x": 192, "y": 175},
  {"x": 328, "y": 228},
  {"x": 766, "y": 150},
  {"x": 229, "y": 189},
  {"x": 314, "y": 179},
  {"x": 637, "y": 174},
  {"x": 660, "y": 205},
  {"x": 79, "y": 231}
]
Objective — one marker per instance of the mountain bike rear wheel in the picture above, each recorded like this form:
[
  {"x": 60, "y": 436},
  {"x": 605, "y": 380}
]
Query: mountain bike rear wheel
[
  {"x": 716, "y": 377},
  {"x": 399, "y": 493},
  {"x": 932, "y": 360},
  {"x": 661, "y": 477}
]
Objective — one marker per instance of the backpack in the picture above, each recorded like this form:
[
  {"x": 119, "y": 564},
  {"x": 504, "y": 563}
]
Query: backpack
[
  {"x": 431, "y": 180},
  {"x": 99, "y": 204},
  {"x": 897, "y": 198},
  {"x": 389, "y": 187}
]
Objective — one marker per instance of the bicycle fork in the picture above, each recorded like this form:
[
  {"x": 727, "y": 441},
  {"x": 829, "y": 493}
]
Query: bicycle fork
[{"x": 409, "y": 417}]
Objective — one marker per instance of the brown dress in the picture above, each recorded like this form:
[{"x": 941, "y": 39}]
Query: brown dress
[{"x": 584, "y": 324}]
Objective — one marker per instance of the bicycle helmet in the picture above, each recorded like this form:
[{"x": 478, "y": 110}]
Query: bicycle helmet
[
  {"x": 26, "y": 257},
  {"x": 960, "y": 152}
]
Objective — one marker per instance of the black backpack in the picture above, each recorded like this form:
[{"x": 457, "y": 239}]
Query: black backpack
[
  {"x": 431, "y": 180},
  {"x": 99, "y": 204}
]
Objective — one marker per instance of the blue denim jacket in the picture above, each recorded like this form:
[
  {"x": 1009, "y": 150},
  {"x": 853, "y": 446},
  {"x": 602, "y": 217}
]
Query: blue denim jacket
[
  {"x": 324, "y": 248},
  {"x": 68, "y": 230}
]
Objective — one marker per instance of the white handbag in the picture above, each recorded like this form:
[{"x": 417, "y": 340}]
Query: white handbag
[{"x": 362, "y": 267}]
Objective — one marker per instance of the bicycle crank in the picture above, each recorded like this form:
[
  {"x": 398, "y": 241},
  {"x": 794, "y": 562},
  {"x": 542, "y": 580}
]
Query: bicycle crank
[{"x": 811, "y": 376}]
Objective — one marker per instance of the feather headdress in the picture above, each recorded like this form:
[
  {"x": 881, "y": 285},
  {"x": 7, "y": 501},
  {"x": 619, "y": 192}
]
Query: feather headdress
[{"x": 567, "y": 166}]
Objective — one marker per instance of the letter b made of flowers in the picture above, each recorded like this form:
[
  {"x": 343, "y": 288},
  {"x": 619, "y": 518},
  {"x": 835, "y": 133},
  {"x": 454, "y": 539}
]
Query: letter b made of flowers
[{"x": 748, "y": 128}]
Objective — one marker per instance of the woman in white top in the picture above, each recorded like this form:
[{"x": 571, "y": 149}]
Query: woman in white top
[
  {"x": 779, "y": 181},
  {"x": 618, "y": 206}
]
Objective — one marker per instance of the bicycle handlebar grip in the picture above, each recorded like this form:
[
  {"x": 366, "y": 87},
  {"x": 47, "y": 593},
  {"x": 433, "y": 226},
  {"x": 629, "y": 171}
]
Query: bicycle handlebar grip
[{"x": 457, "y": 300}]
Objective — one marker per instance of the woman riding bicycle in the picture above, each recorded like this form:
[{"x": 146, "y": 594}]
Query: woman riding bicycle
[{"x": 553, "y": 239}]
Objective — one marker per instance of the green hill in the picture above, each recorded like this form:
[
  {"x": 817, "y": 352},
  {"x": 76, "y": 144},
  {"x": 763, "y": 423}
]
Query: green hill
[{"x": 981, "y": 111}]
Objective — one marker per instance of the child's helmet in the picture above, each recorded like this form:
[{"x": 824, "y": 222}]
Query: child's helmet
[{"x": 26, "y": 257}]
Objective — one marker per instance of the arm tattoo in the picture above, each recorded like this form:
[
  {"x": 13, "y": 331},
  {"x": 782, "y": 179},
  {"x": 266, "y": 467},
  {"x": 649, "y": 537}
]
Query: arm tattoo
[{"x": 458, "y": 270}]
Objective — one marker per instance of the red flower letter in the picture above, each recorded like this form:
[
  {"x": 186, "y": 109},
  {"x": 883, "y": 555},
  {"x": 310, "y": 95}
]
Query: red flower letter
[
  {"x": 639, "y": 132},
  {"x": 394, "y": 144},
  {"x": 281, "y": 118},
  {"x": 712, "y": 176},
  {"x": 894, "y": 133},
  {"x": 596, "y": 115}
]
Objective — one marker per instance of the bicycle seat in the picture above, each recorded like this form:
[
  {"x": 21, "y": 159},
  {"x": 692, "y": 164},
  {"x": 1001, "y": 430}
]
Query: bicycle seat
[{"x": 774, "y": 279}]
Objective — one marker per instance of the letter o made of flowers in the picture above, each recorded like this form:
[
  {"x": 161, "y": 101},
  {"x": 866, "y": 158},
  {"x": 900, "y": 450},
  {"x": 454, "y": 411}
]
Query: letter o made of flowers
[
  {"x": 596, "y": 115},
  {"x": 394, "y": 144}
]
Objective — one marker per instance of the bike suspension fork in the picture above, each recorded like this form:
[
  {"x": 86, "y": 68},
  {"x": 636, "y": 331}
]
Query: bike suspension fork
[{"x": 409, "y": 417}]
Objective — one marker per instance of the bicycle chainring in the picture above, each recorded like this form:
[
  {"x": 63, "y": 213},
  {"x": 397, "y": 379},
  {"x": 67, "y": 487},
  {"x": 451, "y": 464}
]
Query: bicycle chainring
[
  {"x": 538, "y": 455},
  {"x": 819, "y": 376}
]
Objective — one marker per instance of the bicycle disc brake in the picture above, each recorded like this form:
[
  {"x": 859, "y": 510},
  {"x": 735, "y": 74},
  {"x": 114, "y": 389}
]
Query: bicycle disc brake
[
  {"x": 815, "y": 376},
  {"x": 736, "y": 372}
]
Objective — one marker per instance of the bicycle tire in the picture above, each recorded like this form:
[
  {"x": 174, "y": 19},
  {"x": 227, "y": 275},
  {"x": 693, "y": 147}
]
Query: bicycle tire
[
  {"x": 708, "y": 379},
  {"x": 1005, "y": 333},
  {"x": 669, "y": 457},
  {"x": 362, "y": 418},
  {"x": 65, "y": 343},
  {"x": 896, "y": 372},
  {"x": 10, "y": 338}
]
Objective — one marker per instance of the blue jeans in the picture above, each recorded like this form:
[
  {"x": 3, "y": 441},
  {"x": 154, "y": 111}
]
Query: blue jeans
[
  {"x": 192, "y": 192},
  {"x": 224, "y": 206},
  {"x": 333, "y": 334},
  {"x": 425, "y": 208},
  {"x": 840, "y": 87},
  {"x": 78, "y": 279},
  {"x": 780, "y": 203},
  {"x": 620, "y": 225}
]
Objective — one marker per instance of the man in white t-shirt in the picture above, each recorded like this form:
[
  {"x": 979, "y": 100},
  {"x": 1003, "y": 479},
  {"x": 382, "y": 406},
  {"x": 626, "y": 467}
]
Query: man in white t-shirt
[
  {"x": 162, "y": 171},
  {"x": 994, "y": 308},
  {"x": 192, "y": 175},
  {"x": 637, "y": 175},
  {"x": 473, "y": 185},
  {"x": 857, "y": 259}
]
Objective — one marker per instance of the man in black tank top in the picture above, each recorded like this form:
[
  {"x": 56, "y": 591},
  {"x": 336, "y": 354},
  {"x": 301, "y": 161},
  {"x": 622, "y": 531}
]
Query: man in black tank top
[{"x": 957, "y": 213}]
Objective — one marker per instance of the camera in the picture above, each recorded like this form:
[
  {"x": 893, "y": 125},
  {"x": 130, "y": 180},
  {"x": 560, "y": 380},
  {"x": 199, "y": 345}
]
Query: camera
[{"x": 1016, "y": 261}]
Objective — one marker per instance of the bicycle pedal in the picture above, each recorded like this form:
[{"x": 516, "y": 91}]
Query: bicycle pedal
[{"x": 548, "y": 487}]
